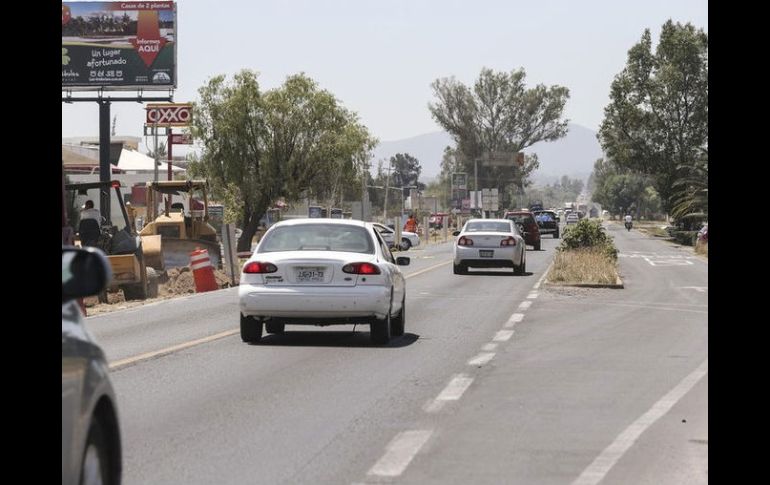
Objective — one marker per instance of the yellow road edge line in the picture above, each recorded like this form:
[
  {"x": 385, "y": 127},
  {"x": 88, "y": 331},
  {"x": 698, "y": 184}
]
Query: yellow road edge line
[{"x": 149, "y": 355}]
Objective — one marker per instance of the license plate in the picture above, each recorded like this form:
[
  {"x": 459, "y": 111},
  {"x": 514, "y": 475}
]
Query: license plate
[
  {"x": 310, "y": 274},
  {"x": 486, "y": 253}
]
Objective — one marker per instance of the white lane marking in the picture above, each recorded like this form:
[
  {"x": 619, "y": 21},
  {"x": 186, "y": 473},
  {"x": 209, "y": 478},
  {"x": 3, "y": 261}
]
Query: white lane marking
[
  {"x": 545, "y": 273},
  {"x": 699, "y": 289},
  {"x": 532, "y": 295},
  {"x": 516, "y": 318},
  {"x": 524, "y": 305},
  {"x": 489, "y": 347},
  {"x": 503, "y": 335},
  {"x": 149, "y": 355},
  {"x": 598, "y": 469},
  {"x": 482, "y": 358},
  {"x": 399, "y": 453},
  {"x": 452, "y": 392}
]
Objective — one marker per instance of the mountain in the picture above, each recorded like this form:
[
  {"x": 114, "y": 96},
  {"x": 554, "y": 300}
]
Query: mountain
[{"x": 574, "y": 155}]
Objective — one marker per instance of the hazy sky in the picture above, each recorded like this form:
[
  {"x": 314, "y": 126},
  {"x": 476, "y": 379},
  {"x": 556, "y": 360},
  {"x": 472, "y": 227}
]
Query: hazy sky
[{"x": 380, "y": 57}]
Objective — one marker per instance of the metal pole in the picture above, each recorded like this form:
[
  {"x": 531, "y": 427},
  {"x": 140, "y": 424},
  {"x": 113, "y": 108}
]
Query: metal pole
[
  {"x": 476, "y": 176},
  {"x": 155, "y": 132},
  {"x": 385, "y": 204},
  {"x": 104, "y": 159},
  {"x": 168, "y": 163}
]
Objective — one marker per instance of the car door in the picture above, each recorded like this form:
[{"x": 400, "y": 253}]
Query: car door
[{"x": 73, "y": 368}]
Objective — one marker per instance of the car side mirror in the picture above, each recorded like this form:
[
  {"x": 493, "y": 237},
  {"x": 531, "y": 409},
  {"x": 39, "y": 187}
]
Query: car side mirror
[
  {"x": 403, "y": 261},
  {"x": 456, "y": 233},
  {"x": 84, "y": 272}
]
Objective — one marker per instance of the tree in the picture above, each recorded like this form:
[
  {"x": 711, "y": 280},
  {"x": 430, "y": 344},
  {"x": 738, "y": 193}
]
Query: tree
[
  {"x": 499, "y": 114},
  {"x": 292, "y": 141},
  {"x": 657, "y": 120}
]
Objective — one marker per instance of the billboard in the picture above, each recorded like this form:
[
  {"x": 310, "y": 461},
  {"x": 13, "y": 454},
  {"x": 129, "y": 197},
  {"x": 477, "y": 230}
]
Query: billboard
[{"x": 118, "y": 45}]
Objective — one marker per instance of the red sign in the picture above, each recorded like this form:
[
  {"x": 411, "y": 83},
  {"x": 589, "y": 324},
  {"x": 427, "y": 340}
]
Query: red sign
[
  {"x": 181, "y": 139},
  {"x": 171, "y": 114}
]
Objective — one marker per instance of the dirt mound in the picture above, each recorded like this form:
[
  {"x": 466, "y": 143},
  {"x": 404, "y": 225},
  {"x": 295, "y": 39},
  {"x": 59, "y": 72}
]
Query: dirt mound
[{"x": 180, "y": 281}]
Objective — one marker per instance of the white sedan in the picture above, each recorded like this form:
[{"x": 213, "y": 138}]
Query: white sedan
[
  {"x": 490, "y": 243},
  {"x": 322, "y": 272},
  {"x": 408, "y": 239}
]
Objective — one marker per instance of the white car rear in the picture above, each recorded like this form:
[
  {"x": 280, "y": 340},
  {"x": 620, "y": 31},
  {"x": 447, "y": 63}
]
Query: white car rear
[
  {"x": 322, "y": 272},
  {"x": 489, "y": 243}
]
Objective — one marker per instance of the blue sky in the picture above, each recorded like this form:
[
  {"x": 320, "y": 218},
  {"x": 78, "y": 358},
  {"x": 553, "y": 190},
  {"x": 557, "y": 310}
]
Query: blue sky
[{"x": 380, "y": 57}]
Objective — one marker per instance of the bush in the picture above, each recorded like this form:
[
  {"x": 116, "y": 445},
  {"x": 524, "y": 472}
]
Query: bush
[
  {"x": 588, "y": 233},
  {"x": 686, "y": 238}
]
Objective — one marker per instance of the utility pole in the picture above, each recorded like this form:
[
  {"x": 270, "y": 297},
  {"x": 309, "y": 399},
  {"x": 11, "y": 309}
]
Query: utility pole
[{"x": 385, "y": 203}]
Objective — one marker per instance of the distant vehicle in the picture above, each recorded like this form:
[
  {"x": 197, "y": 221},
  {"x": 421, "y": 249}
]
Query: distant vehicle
[
  {"x": 703, "y": 234},
  {"x": 547, "y": 222},
  {"x": 438, "y": 219},
  {"x": 490, "y": 243},
  {"x": 526, "y": 219},
  {"x": 572, "y": 218},
  {"x": 408, "y": 239},
  {"x": 90, "y": 430},
  {"x": 322, "y": 272}
]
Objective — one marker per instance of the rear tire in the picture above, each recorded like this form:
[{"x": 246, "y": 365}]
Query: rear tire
[
  {"x": 537, "y": 246},
  {"x": 522, "y": 268},
  {"x": 556, "y": 235},
  {"x": 380, "y": 330},
  {"x": 274, "y": 327},
  {"x": 405, "y": 244},
  {"x": 251, "y": 329},
  {"x": 397, "y": 324}
]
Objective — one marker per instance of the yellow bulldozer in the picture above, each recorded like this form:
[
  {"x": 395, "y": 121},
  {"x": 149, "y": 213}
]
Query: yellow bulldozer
[
  {"x": 129, "y": 254},
  {"x": 180, "y": 232}
]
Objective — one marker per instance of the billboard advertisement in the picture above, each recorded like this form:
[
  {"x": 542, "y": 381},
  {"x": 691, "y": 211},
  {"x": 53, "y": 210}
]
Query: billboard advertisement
[{"x": 118, "y": 45}]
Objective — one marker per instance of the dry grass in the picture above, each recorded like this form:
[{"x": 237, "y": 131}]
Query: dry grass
[
  {"x": 652, "y": 228},
  {"x": 702, "y": 248},
  {"x": 583, "y": 266}
]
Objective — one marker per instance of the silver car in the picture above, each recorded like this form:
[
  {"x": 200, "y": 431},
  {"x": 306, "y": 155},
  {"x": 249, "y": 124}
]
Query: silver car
[
  {"x": 90, "y": 433},
  {"x": 490, "y": 243},
  {"x": 322, "y": 272}
]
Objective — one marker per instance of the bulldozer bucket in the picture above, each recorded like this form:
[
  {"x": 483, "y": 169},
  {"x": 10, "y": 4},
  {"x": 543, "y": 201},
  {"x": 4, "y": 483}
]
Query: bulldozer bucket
[
  {"x": 176, "y": 252},
  {"x": 153, "y": 252}
]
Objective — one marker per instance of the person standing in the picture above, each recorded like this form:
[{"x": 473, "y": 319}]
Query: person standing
[{"x": 411, "y": 224}]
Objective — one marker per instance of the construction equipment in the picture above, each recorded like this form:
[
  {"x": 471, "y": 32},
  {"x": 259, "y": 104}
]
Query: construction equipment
[
  {"x": 126, "y": 251},
  {"x": 181, "y": 233}
]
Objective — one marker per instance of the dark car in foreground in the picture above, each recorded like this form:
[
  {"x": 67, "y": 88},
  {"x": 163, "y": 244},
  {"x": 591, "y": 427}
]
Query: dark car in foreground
[
  {"x": 547, "y": 222},
  {"x": 526, "y": 220},
  {"x": 90, "y": 433}
]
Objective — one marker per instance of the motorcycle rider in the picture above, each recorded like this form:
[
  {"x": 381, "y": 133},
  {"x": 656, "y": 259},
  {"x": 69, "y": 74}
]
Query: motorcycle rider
[{"x": 628, "y": 219}]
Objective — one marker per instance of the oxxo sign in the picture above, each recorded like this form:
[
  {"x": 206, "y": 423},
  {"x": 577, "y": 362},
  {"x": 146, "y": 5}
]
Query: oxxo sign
[{"x": 169, "y": 114}]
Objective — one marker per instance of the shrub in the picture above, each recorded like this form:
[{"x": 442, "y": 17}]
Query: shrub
[
  {"x": 588, "y": 233},
  {"x": 686, "y": 238}
]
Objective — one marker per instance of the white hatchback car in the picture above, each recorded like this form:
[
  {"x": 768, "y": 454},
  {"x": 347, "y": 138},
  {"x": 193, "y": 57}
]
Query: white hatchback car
[
  {"x": 490, "y": 243},
  {"x": 408, "y": 239},
  {"x": 322, "y": 272}
]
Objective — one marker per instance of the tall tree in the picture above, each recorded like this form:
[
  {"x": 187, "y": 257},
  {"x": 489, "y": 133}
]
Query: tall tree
[
  {"x": 657, "y": 120},
  {"x": 499, "y": 114},
  {"x": 284, "y": 143}
]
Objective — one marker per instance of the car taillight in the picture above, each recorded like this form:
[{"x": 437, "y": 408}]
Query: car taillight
[
  {"x": 465, "y": 241},
  {"x": 361, "y": 268},
  {"x": 258, "y": 267},
  {"x": 510, "y": 241}
]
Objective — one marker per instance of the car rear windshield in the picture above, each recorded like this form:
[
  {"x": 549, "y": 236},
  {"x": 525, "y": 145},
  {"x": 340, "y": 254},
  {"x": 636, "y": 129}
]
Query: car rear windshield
[
  {"x": 318, "y": 237},
  {"x": 521, "y": 218},
  {"x": 481, "y": 226}
]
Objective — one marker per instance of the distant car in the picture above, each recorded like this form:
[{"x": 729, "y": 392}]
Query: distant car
[
  {"x": 572, "y": 218},
  {"x": 408, "y": 239},
  {"x": 322, "y": 272},
  {"x": 90, "y": 431},
  {"x": 526, "y": 220},
  {"x": 547, "y": 222},
  {"x": 490, "y": 243}
]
